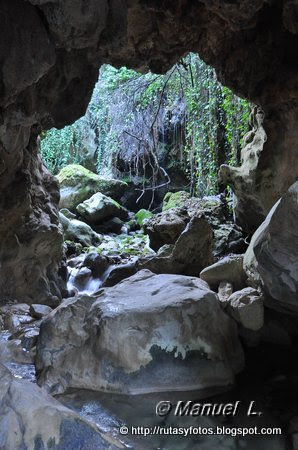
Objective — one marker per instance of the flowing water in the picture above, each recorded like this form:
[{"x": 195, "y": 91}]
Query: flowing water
[
  {"x": 16, "y": 359},
  {"x": 90, "y": 285}
]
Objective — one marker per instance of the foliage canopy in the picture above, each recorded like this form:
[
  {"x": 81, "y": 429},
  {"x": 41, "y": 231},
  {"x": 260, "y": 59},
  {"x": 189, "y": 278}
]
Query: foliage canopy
[{"x": 137, "y": 119}]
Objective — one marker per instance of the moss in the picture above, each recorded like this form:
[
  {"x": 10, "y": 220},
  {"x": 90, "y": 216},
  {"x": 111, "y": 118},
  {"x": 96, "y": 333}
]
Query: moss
[
  {"x": 73, "y": 173},
  {"x": 142, "y": 215},
  {"x": 78, "y": 184},
  {"x": 175, "y": 200}
]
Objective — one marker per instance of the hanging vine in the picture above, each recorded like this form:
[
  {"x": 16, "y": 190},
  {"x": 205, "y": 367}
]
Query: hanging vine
[{"x": 185, "y": 116}]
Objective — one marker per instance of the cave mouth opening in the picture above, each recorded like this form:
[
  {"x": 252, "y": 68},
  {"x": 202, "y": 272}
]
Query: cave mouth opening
[{"x": 142, "y": 139}]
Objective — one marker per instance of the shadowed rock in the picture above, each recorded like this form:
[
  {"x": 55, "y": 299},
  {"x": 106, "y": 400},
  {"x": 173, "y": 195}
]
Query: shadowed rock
[{"x": 276, "y": 252}]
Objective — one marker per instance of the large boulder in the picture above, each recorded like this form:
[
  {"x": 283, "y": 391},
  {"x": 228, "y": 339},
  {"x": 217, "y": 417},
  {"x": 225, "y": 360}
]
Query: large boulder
[
  {"x": 78, "y": 231},
  {"x": 149, "y": 333},
  {"x": 32, "y": 419},
  {"x": 229, "y": 269},
  {"x": 213, "y": 206},
  {"x": 190, "y": 254},
  {"x": 228, "y": 237},
  {"x": 100, "y": 207},
  {"x": 276, "y": 252},
  {"x": 166, "y": 227},
  {"x": 78, "y": 183}
]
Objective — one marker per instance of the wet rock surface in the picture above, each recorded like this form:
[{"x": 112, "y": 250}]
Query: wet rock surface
[{"x": 30, "y": 418}]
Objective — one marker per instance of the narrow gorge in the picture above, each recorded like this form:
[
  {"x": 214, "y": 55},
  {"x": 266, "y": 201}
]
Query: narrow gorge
[{"x": 149, "y": 239}]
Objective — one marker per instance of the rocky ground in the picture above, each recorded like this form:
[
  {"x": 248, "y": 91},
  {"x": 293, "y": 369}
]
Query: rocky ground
[{"x": 171, "y": 301}]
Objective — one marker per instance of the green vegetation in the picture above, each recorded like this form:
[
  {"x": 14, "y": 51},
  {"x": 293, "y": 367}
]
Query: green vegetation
[
  {"x": 150, "y": 125},
  {"x": 142, "y": 215},
  {"x": 175, "y": 200}
]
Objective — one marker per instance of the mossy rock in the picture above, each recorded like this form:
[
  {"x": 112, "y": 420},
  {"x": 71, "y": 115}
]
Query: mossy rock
[
  {"x": 175, "y": 200},
  {"x": 100, "y": 207},
  {"x": 142, "y": 215},
  {"x": 77, "y": 184}
]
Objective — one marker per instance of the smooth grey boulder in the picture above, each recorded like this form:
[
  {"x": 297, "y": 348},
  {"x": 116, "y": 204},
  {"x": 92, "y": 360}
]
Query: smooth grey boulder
[
  {"x": 32, "y": 419},
  {"x": 247, "y": 308},
  {"x": 276, "y": 252},
  {"x": 250, "y": 264},
  {"x": 149, "y": 333},
  {"x": 99, "y": 208},
  {"x": 39, "y": 311},
  {"x": 78, "y": 231},
  {"x": 229, "y": 269}
]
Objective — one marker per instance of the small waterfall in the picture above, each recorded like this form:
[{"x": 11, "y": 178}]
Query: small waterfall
[{"x": 90, "y": 285}]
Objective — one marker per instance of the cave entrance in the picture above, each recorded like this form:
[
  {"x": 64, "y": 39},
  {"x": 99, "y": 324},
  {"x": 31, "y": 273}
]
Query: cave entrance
[{"x": 149, "y": 143}]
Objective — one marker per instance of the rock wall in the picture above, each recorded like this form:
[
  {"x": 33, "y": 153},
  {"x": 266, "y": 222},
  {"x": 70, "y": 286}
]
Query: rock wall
[
  {"x": 31, "y": 241},
  {"x": 50, "y": 52}
]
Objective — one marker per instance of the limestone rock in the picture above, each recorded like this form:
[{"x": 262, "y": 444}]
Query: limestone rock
[
  {"x": 39, "y": 311},
  {"x": 175, "y": 200},
  {"x": 225, "y": 290},
  {"x": 166, "y": 227},
  {"x": 229, "y": 269},
  {"x": 213, "y": 206},
  {"x": 276, "y": 251},
  {"x": 67, "y": 213},
  {"x": 190, "y": 254},
  {"x": 12, "y": 322},
  {"x": 78, "y": 231},
  {"x": 113, "y": 225},
  {"x": 119, "y": 273},
  {"x": 77, "y": 184},
  {"x": 12, "y": 351},
  {"x": 148, "y": 333},
  {"x": 30, "y": 418},
  {"x": 228, "y": 238},
  {"x": 96, "y": 263},
  {"x": 31, "y": 254},
  {"x": 99, "y": 207},
  {"x": 248, "y": 207},
  {"x": 247, "y": 308},
  {"x": 250, "y": 264}
]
